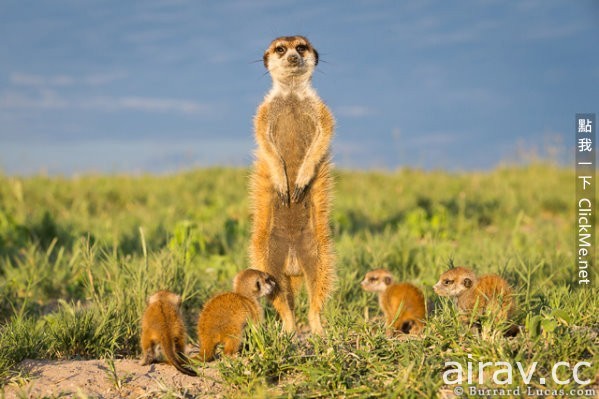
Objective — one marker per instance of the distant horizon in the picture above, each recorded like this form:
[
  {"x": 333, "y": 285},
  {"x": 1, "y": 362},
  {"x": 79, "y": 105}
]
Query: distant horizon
[{"x": 517, "y": 159}]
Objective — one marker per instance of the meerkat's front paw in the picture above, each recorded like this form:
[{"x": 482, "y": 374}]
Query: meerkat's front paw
[
  {"x": 283, "y": 197},
  {"x": 282, "y": 190},
  {"x": 301, "y": 185},
  {"x": 298, "y": 193}
]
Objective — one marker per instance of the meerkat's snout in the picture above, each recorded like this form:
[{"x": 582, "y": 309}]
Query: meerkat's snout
[
  {"x": 290, "y": 56},
  {"x": 293, "y": 59},
  {"x": 269, "y": 285}
]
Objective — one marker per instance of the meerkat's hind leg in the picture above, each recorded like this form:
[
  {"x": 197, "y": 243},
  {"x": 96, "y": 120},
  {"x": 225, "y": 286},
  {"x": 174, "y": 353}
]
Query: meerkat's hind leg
[
  {"x": 284, "y": 304},
  {"x": 314, "y": 321},
  {"x": 317, "y": 294},
  {"x": 149, "y": 354},
  {"x": 282, "y": 297},
  {"x": 318, "y": 282},
  {"x": 296, "y": 283}
]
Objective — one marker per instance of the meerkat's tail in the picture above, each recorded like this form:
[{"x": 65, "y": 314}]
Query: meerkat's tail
[{"x": 175, "y": 358}]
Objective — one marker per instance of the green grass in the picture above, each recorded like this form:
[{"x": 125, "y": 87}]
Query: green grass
[{"x": 79, "y": 256}]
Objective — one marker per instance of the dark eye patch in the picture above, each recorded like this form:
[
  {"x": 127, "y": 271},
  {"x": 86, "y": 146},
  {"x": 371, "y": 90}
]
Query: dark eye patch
[
  {"x": 447, "y": 282},
  {"x": 280, "y": 49}
]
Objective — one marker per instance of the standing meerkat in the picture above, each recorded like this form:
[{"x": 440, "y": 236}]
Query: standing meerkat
[
  {"x": 474, "y": 296},
  {"x": 291, "y": 182},
  {"x": 402, "y": 303},
  {"x": 162, "y": 325},
  {"x": 225, "y": 316}
]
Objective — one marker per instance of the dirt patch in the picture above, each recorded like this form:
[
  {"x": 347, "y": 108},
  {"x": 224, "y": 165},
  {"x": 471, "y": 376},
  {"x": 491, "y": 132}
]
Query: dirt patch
[{"x": 99, "y": 379}]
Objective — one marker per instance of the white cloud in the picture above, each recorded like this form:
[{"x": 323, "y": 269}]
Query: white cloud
[
  {"x": 23, "y": 97},
  {"x": 549, "y": 32},
  {"x": 48, "y": 99},
  {"x": 149, "y": 104}
]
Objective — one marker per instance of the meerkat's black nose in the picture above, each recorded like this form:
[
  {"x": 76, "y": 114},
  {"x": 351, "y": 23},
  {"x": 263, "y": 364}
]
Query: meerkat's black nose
[{"x": 293, "y": 58}]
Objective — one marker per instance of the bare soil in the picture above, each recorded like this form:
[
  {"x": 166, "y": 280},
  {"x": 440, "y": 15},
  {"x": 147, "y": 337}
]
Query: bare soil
[{"x": 97, "y": 379}]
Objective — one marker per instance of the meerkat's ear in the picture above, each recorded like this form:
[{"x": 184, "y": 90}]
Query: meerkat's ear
[
  {"x": 387, "y": 280},
  {"x": 467, "y": 283},
  {"x": 265, "y": 59}
]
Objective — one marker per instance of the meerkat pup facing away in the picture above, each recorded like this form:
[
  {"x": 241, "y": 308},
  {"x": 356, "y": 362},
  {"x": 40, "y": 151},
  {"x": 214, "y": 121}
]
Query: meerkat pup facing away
[
  {"x": 162, "y": 325},
  {"x": 291, "y": 183},
  {"x": 474, "y": 296},
  {"x": 402, "y": 303},
  {"x": 225, "y": 316}
]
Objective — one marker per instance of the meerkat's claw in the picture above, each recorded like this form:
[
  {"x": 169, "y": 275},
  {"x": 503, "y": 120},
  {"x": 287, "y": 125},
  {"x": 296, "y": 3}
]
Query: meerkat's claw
[
  {"x": 284, "y": 197},
  {"x": 298, "y": 193}
]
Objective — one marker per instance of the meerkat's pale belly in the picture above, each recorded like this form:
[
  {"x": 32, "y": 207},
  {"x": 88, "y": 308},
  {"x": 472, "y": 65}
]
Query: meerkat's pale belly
[{"x": 293, "y": 132}]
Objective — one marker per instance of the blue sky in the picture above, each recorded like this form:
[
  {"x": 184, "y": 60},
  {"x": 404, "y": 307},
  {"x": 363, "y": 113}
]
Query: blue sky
[{"x": 163, "y": 85}]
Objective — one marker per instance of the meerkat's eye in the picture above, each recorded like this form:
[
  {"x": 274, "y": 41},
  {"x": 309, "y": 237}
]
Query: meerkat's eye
[
  {"x": 301, "y": 48},
  {"x": 280, "y": 49},
  {"x": 257, "y": 285},
  {"x": 447, "y": 282},
  {"x": 372, "y": 279}
]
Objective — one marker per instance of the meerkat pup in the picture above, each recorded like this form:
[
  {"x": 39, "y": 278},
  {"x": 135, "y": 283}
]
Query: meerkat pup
[
  {"x": 474, "y": 296},
  {"x": 402, "y": 303},
  {"x": 225, "y": 316},
  {"x": 162, "y": 325},
  {"x": 291, "y": 182}
]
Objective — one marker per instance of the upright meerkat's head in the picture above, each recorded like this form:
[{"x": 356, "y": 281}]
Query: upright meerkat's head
[
  {"x": 165, "y": 296},
  {"x": 377, "y": 280},
  {"x": 455, "y": 282},
  {"x": 253, "y": 283},
  {"x": 290, "y": 57}
]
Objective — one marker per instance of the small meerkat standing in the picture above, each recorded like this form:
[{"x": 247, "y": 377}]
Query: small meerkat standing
[
  {"x": 474, "y": 296},
  {"x": 225, "y": 316},
  {"x": 291, "y": 182},
  {"x": 162, "y": 325},
  {"x": 402, "y": 303}
]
